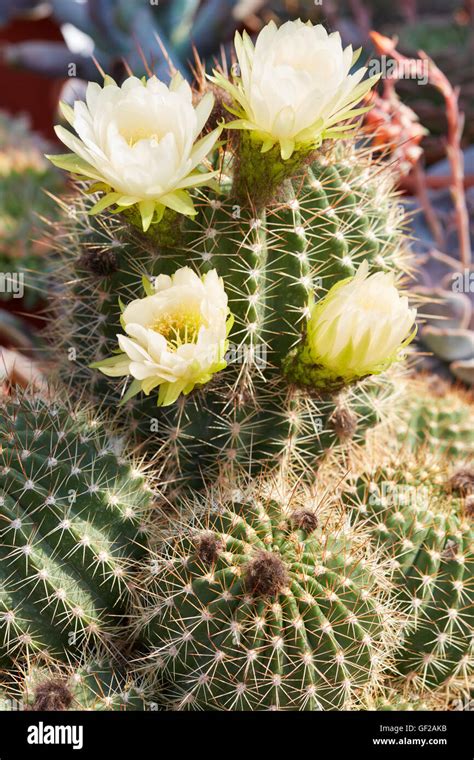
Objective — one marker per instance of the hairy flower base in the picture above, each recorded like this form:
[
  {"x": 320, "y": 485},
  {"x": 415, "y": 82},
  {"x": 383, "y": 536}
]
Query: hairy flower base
[
  {"x": 166, "y": 234},
  {"x": 260, "y": 174},
  {"x": 315, "y": 376}
]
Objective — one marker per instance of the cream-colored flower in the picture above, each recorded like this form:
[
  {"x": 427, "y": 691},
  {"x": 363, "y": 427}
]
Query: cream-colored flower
[
  {"x": 294, "y": 86},
  {"x": 176, "y": 337},
  {"x": 359, "y": 328},
  {"x": 138, "y": 142}
]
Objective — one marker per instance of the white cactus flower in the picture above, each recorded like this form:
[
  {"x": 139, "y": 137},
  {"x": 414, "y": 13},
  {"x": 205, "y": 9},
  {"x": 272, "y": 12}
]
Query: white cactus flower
[
  {"x": 138, "y": 141},
  {"x": 359, "y": 328},
  {"x": 294, "y": 86},
  {"x": 176, "y": 336}
]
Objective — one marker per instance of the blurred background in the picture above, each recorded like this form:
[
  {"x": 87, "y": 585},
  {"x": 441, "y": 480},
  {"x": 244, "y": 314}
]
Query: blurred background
[{"x": 422, "y": 122}]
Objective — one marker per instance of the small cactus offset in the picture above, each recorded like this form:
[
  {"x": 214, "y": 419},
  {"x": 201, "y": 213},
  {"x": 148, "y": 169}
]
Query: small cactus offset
[
  {"x": 97, "y": 685},
  {"x": 420, "y": 511},
  {"x": 265, "y": 600},
  {"x": 72, "y": 511}
]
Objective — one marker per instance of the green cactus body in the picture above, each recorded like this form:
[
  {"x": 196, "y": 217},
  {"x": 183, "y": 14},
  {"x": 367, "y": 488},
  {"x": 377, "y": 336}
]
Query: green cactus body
[
  {"x": 71, "y": 526},
  {"x": 256, "y": 607},
  {"x": 437, "y": 416},
  {"x": 397, "y": 703},
  {"x": 426, "y": 529},
  {"x": 273, "y": 262}
]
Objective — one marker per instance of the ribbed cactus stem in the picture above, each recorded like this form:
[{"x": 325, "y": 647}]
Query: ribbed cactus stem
[
  {"x": 420, "y": 520},
  {"x": 72, "y": 525},
  {"x": 259, "y": 176}
]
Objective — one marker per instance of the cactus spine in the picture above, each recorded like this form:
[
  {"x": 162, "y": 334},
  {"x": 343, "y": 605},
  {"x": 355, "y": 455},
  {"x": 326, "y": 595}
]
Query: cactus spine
[
  {"x": 437, "y": 416},
  {"x": 418, "y": 510}
]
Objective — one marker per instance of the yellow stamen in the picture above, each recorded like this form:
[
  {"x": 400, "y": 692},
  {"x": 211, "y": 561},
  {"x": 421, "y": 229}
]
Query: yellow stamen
[{"x": 178, "y": 328}]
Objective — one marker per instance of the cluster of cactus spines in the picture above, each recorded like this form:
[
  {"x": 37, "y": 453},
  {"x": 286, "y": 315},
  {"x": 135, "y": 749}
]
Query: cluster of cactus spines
[
  {"x": 419, "y": 510},
  {"x": 402, "y": 695},
  {"x": 334, "y": 214},
  {"x": 396, "y": 702},
  {"x": 436, "y": 415},
  {"x": 72, "y": 511},
  {"x": 266, "y": 599}
]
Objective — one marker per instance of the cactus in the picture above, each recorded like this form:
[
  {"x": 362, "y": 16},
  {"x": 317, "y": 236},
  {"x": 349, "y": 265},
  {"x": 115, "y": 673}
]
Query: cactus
[
  {"x": 419, "y": 509},
  {"x": 71, "y": 527},
  {"x": 25, "y": 179},
  {"x": 268, "y": 588},
  {"x": 266, "y": 599},
  {"x": 94, "y": 686},
  {"x": 395, "y": 702},
  {"x": 97, "y": 686},
  {"x": 332, "y": 216},
  {"x": 436, "y": 415},
  {"x": 454, "y": 341}
]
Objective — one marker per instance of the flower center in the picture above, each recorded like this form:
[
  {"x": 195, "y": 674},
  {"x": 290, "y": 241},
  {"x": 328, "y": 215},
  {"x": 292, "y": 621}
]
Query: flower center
[
  {"x": 142, "y": 134},
  {"x": 139, "y": 125},
  {"x": 178, "y": 328}
]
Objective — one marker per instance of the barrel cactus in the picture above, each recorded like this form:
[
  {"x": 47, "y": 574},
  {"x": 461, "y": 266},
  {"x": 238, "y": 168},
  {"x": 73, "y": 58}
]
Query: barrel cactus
[
  {"x": 420, "y": 509},
  {"x": 283, "y": 226},
  {"x": 266, "y": 600},
  {"x": 71, "y": 528}
]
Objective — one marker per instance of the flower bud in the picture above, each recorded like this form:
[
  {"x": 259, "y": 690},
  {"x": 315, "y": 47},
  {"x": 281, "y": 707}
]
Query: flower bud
[{"x": 359, "y": 328}]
